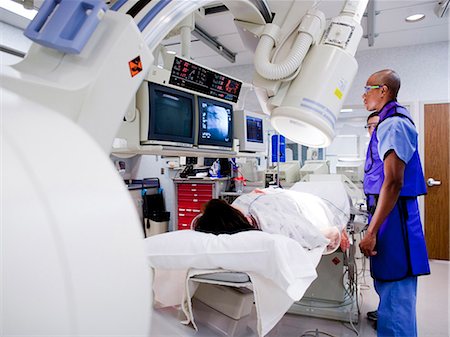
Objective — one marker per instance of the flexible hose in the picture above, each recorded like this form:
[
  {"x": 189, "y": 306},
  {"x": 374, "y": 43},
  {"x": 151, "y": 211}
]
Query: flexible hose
[{"x": 277, "y": 71}]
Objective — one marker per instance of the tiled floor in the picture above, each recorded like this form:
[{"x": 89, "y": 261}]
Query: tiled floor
[{"x": 432, "y": 311}]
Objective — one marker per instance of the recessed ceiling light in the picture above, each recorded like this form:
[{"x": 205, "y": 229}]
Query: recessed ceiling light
[{"x": 415, "y": 17}]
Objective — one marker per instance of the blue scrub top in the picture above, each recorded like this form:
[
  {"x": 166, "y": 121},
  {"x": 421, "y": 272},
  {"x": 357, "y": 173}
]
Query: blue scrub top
[{"x": 391, "y": 136}]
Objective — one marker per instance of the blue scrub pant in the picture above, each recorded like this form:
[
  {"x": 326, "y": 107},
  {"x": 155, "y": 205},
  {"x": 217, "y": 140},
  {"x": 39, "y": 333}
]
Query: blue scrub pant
[{"x": 397, "y": 308}]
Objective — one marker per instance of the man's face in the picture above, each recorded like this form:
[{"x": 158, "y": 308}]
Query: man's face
[
  {"x": 373, "y": 95},
  {"x": 372, "y": 123}
]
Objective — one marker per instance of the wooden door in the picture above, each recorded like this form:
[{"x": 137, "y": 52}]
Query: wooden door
[{"x": 437, "y": 167}]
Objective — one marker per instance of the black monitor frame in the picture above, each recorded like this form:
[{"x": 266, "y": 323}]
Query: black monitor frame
[{"x": 152, "y": 134}]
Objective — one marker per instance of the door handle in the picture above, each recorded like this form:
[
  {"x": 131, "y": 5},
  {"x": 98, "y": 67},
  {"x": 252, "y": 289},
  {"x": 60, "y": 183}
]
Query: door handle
[{"x": 431, "y": 182}]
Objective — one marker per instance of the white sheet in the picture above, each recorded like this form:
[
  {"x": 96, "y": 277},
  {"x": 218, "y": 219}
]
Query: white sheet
[
  {"x": 271, "y": 301},
  {"x": 280, "y": 268}
]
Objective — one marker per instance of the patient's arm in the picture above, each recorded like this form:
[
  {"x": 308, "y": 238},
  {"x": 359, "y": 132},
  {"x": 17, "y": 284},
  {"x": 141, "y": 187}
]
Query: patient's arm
[
  {"x": 345, "y": 242},
  {"x": 332, "y": 234}
]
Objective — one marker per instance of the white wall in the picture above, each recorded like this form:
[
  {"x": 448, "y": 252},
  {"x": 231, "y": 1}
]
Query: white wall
[
  {"x": 149, "y": 166},
  {"x": 423, "y": 69}
]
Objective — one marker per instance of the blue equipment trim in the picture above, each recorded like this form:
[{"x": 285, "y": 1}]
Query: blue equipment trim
[
  {"x": 118, "y": 5},
  {"x": 66, "y": 25},
  {"x": 152, "y": 13}
]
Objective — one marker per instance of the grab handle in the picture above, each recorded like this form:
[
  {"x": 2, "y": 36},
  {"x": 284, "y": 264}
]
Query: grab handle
[{"x": 66, "y": 25}]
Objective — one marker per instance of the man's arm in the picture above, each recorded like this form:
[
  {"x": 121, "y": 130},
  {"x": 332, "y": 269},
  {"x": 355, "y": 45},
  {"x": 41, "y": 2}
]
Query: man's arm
[{"x": 394, "y": 169}]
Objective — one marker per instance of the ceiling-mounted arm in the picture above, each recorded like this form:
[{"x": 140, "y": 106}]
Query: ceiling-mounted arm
[
  {"x": 371, "y": 14},
  {"x": 156, "y": 19}
]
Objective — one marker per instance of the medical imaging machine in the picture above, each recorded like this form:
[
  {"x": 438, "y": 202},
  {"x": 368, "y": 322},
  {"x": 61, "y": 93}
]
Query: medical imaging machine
[
  {"x": 72, "y": 262},
  {"x": 335, "y": 294}
]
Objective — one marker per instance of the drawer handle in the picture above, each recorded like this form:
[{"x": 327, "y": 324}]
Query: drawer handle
[
  {"x": 196, "y": 211},
  {"x": 195, "y": 200},
  {"x": 193, "y": 190},
  {"x": 181, "y": 214}
]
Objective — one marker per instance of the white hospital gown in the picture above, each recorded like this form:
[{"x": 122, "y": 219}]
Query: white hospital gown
[{"x": 300, "y": 216}]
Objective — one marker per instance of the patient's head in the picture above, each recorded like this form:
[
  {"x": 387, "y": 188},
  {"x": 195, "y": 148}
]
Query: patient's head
[{"x": 218, "y": 217}]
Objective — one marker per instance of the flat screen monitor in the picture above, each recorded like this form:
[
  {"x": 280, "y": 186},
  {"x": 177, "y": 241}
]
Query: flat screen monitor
[
  {"x": 249, "y": 129},
  {"x": 254, "y": 127},
  {"x": 172, "y": 116},
  {"x": 215, "y": 124}
]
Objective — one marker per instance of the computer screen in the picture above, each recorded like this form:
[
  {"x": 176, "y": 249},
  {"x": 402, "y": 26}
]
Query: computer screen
[
  {"x": 215, "y": 123},
  {"x": 254, "y": 129},
  {"x": 172, "y": 115},
  {"x": 249, "y": 130}
]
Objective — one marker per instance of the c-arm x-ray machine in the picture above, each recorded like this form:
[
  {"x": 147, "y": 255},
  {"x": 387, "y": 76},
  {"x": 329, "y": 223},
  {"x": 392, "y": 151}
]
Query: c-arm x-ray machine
[{"x": 72, "y": 259}]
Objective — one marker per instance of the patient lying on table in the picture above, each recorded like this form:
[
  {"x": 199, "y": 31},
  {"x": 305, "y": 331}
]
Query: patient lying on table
[
  {"x": 301, "y": 216},
  {"x": 279, "y": 239}
]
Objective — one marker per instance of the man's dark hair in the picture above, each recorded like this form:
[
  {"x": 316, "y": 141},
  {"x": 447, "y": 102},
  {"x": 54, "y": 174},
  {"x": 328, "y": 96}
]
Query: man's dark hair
[{"x": 221, "y": 218}]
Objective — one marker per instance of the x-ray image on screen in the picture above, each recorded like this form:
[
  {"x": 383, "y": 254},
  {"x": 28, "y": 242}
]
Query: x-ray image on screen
[{"x": 215, "y": 123}]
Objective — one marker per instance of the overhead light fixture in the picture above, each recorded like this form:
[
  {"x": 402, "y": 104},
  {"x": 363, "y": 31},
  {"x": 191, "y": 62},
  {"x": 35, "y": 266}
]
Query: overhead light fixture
[
  {"x": 18, "y": 9},
  {"x": 415, "y": 17}
]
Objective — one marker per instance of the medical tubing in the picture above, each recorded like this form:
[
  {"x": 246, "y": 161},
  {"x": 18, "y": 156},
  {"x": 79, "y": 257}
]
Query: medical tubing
[{"x": 278, "y": 71}]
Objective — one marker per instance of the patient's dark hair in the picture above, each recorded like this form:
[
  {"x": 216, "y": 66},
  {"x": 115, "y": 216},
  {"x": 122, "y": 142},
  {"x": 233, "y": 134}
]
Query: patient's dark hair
[{"x": 221, "y": 218}]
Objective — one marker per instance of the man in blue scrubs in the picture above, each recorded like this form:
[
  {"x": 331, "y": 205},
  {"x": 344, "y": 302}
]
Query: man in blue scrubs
[{"x": 393, "y": 180}]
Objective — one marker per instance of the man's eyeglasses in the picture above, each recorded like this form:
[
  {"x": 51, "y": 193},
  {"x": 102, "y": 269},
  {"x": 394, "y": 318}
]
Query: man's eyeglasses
[
  {"x": 367, "y": 88},
  {"x": 371, "y": 126}
]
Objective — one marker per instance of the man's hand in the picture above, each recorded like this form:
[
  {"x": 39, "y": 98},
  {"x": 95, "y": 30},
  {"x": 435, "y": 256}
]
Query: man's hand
[{"x": 367, "y": 244}]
